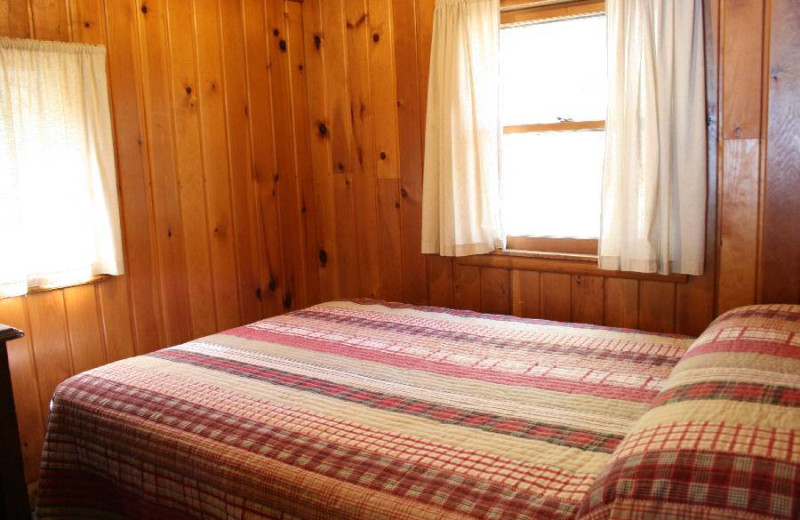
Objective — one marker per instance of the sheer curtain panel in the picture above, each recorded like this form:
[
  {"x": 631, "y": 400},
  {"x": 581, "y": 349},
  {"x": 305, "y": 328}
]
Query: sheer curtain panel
[
  {"x": 460, "y": 191},
  {"x": 654, "y": 183},
  {"x": 59, "y": 216}
]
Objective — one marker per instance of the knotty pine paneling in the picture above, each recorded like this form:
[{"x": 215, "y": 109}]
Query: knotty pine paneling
[
  {"x": 216, "y": 190},
  {"x": 270, "y": 156},
  {"x": 779, "y": 260}
]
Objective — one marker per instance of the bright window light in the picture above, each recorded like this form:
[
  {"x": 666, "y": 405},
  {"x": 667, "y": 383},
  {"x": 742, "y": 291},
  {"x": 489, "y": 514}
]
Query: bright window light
[{"x": 552, "y": 72}]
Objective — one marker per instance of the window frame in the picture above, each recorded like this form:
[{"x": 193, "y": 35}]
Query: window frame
[{"x": 523, "y": 12}]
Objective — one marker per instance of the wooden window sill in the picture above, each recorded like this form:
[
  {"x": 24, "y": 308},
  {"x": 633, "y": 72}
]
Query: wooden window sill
[
  {"x": 559, "y": 263},
  {"x": 92, "y": 280}
]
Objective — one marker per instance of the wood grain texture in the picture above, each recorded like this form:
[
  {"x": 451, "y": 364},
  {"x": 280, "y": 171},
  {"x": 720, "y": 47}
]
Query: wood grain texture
[
  {"x": 588, "y": 293},
  {"x": 742, "y": 57},
  {"x": 779, "y": 262},
  {"x": 622, "y": 303},
  {"x": 495, "y": 291},
  {"x": 202, "y": 239},
  {"x": 189, "y": 168},
  {"x": 440, "y": 281},
  {"x": 251, "y": 180},
  {"x": 739, "y": 228},
  {"x": 556, "y": 296},
  {"x": 327, "y": 253},
  {"x": 305, "y": 181},
  {"x": 410, "y": 47},
  {"x": 526, "y": 294},
  {"x": 262, "y": 144},
  {"x": 657, "y": 306},
  {"x": 467, "y": 287}
]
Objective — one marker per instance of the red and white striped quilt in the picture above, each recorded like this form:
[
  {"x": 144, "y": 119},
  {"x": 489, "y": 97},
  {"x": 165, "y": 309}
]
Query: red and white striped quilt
[{"x": 354, "y": 409}]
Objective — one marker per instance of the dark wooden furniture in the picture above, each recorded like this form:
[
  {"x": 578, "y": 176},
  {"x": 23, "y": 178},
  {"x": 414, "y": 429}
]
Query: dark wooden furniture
[{"x": 13, "y": 491}]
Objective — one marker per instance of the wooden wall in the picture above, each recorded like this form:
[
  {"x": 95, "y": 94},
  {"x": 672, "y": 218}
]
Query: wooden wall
[
  {"x": 213, "y": 213},
  {"x": 760, "y": 161},
  {"x": 270, "y": 156}
]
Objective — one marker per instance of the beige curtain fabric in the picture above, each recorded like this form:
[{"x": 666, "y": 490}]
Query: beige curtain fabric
[
  {"x": 654, "y": 183},
  {"x": 59, "y": 217},
  {"x": 460, "y": 193}
]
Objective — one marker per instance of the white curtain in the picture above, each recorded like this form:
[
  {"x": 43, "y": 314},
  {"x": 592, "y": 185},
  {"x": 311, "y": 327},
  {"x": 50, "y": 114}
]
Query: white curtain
[
  {"x": 460, "y": 192},
  {"x": 654, "y": 184},
  {"x": 59, "y": 217}
]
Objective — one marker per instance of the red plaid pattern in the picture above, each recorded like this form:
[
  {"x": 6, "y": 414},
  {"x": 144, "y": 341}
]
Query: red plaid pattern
[
  {"x": 738, "y": 483},
  {"x": 547, "y": 432},
  {"x": 732, "y": 391},
  {"x": 353, "y": 411},
  {"x": 740, "y": 456}
]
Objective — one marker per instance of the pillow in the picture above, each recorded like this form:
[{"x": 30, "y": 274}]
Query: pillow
[{"x": 722, "y": 438}]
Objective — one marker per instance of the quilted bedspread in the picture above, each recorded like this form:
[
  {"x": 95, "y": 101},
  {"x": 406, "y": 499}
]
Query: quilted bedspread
[
  {"x": 722, "y": 439},
  {"x": 354, "y": 409}
]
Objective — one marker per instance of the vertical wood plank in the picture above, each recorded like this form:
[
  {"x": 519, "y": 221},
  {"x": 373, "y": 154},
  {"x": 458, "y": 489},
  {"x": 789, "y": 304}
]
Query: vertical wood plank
[
  {"x": 338, "y": 128},
  {"x": 135, "y": 200},
  {"x": 263, "y": 154},
  {"x": 410, "y": 128},
  {"x": 87, "y": 21},
  {"x": 556, "y": 296},
  {"x": 467, "y": 287},
  {"x": 24, "y": 381},
  {"x": 739, "y": 224},
  {"x": 115, "y": 313},
  {"x": 742, "y": 57},
  {"x": 495, "y": 290},
  {"x": 779, "y": 265},
  {"x": 425, "y": 11},
  {"x": 48, "y": 333},
  {"x": 526, "y": 293},
  {"x": 363, "y": 141},
  {"x": 622, "y": 303},
  {"x": 170, "y": 240},
  {"x": 336, "y": 74},
  {"x": 389, "y": 248},
  {"x": 85, "y": 333},
  {"x": 15, "y": 21},
  {"x": 305, "y": 179},
  {"x": 249, "y": 242},
  {"x": 383, "y": 82},
  {"x": 346, "y": 236},
  {"x": 588, "y": 294},
  {"x": 327, "y": 252},
  {"x": 285, "y": 178},
  {"x": 50, "y": 20},
  {"x": 211, "y": 96},
  {"x": 189, "y": 167},
  {"x": 657, "y": 306},
  {"x": 440, "y": 277}
]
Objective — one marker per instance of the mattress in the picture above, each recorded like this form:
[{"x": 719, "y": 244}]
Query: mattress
[{"x": 354, "y": 409}]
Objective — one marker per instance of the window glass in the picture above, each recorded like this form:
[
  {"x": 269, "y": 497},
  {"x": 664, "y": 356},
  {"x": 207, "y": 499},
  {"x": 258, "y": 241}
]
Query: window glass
[
  {"x": 554, "y": 69},
  {"x": 550, "y": 72},
  {"x": 549, "y": 189}
]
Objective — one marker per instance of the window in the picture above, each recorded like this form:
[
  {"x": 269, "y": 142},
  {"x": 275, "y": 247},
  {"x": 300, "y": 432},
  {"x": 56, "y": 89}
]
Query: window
[
  {"x": 553, "y": 91},
  {"x": 59, "y": 220}
]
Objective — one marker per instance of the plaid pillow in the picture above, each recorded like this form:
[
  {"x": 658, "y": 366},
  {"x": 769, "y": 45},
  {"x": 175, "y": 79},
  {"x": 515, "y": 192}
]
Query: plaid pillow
[{"x": 722, "y": 439}]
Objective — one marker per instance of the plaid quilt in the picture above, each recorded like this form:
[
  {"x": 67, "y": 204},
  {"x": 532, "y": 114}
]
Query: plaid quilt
[
  {"x": 354, "y": 409},
  {"x": 723, "y": 437}
]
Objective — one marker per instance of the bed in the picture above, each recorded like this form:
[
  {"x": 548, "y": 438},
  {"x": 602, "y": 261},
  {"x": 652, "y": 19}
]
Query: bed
[{"x": 363, "y": 409}]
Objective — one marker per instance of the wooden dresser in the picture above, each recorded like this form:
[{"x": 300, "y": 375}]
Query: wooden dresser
[{"x": 14, "y": 502}]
